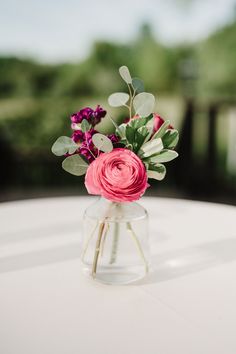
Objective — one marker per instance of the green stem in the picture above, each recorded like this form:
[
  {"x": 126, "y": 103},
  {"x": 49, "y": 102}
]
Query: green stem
[{"x": 130, "y": 103}]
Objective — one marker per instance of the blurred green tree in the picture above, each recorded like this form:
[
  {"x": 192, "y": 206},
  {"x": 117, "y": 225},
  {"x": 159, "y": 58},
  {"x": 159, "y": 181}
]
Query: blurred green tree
[{"x": 217, "y": 63}]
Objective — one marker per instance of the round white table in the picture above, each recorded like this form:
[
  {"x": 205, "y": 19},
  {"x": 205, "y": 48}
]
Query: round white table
[{"x": 187, "y": 305}]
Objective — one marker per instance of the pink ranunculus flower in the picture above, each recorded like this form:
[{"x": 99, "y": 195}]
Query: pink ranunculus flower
[{"x": 119, "y": 176}]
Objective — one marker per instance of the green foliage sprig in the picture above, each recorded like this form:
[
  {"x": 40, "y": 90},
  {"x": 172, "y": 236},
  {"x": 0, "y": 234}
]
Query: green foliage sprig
[
  {"x": 138, "y": 135},
  {"x": 141, "y": 102},
  {"x": 154, "y": 147}
]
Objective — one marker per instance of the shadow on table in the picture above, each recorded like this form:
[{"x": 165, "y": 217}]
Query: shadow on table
[
  {"x": 176, "y": 264},
  {"x": 165, "y": 266},
  {"x": 44, "y": 232},
  {"x": 39, "y": 258}
]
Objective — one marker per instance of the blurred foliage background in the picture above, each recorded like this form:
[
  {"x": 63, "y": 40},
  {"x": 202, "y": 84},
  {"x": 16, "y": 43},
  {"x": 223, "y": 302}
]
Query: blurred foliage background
[{"x": 195, "y": 86}]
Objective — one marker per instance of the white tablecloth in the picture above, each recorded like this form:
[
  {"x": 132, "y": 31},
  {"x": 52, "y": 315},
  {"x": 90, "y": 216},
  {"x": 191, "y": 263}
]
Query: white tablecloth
[{"x": 187, "y": 305}]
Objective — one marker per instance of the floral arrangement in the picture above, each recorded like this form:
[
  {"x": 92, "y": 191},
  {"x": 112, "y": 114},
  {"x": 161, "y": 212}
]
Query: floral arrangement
[{"x": 117, "y": 166}]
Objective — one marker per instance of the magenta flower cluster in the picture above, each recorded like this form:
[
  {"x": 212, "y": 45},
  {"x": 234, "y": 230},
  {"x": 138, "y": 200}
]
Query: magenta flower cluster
[
  {"x": 85, "y": 143},
  {"x": 92, "y": 116},
  {"x": 84, "y": 139},
  {"x": 87, "y": 148}
]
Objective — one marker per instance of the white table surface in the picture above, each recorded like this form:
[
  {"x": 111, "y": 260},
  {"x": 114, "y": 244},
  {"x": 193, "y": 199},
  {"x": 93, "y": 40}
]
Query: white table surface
[{"x": 187, "y": 305}]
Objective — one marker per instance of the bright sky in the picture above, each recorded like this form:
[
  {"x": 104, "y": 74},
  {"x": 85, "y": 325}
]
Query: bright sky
[{"x": 61, "y": 30}]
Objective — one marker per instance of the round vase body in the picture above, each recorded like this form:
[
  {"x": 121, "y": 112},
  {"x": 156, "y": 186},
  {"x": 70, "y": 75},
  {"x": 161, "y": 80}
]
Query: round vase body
[{"x": 115, "y": 242}]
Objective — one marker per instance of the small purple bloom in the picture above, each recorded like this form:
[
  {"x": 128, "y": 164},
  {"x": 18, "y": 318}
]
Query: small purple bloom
[
  {"x": 78, "y": 136},
  {"x": 85, "y": 113},
  {"x": 92, "y": 116},
  {"x": 114, "y": 138},
  {"x": 88, "y": 135},
  {"x": 86, "y": 153},
  {"x": 87, "y": 148},
  {"x": 99, "y": 113}
]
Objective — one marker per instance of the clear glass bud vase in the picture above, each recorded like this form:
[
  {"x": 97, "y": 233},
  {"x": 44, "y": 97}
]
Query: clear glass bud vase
[{"x": 115, "y": 242}]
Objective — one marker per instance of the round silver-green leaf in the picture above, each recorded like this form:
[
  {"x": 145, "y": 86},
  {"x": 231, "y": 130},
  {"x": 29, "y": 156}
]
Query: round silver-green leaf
[
  {"x": 102, "y": 142},
  {"x": 144, "y": 104},
  {"x": 64, "y": 145},
  {"x": 85, "y": 126},
  {"x": 125, "y": 74},
  {"x": 121, "y": 130},
  {"x": 118, "y": 99},
  {"x": 138, "y": 85},
  {"x": 75, "y": 165}
]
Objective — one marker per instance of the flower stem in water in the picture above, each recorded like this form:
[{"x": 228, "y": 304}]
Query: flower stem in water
[
  {"x": 88, "y": 241},
  {"x": 138, "y": 245},
  {"x": 107, "y": 227},
  {"x": 114, "y": 243},
  {"x": 97, "y": 250}
]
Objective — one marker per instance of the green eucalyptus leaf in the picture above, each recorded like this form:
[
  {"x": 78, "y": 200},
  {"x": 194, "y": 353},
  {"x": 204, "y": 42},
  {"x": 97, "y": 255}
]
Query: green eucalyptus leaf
[
  {"x": 121, "y": 130},
  {"x": 64, "y": 145},
  {"x": 130, "y": 134},
  {"x": 125, "y": 74},
  {"x": 149, "y": 126},
  {"x": 118, "y": 99},
  {"x": 140, "y": 137},
  {"x": 75, "y": 165},
  {"x": 151, "y": 147},
  {"x": 148, "y": 136},
  {"x": 138, "y": 85},
  {"x": 161, "y": 131},
  {"x": 85, "y": 126},
  {"x": 139, "y": 122},
  {"x": 144, "y": 104},
  {"x": 157, "y": 172},
  {"x": 170, "y": 138},
  {"x": 163, "y": 156},
  {"x": 102, "y": 142},
  {"x": 143, "y": 131}
]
